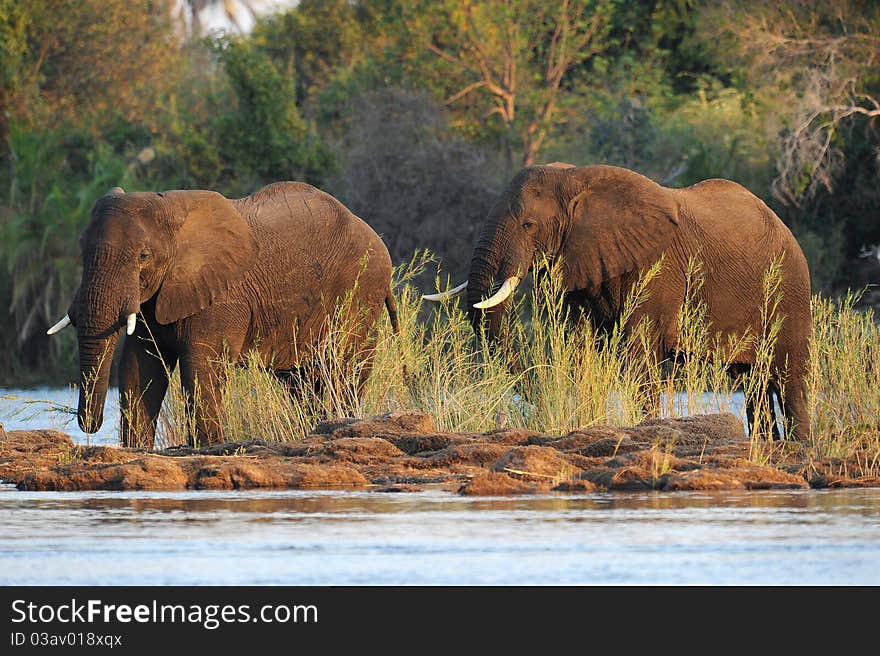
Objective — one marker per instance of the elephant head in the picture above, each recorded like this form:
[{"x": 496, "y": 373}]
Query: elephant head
[
  {"x": 603, "y": 221},
  {"x": 179, "y": 248}
]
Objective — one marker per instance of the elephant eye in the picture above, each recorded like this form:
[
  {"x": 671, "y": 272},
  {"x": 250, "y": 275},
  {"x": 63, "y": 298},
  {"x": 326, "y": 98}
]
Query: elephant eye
[
  {"x": 144, "y": 256},
  {"x": 528, "y": 224}
]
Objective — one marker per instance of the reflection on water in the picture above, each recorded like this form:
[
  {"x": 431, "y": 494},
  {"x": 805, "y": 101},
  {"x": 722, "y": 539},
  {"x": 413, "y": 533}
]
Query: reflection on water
[{"x": 434, "y": 537}]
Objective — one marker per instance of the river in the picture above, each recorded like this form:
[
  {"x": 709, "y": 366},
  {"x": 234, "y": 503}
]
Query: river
[
  {"x": 818, "y": 537},
  {"x": 436, "y": 537}
]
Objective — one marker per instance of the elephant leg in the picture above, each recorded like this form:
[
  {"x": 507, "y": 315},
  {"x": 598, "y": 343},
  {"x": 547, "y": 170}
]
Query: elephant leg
[
  {"x": 300, "y": 382},
  {"x": 750, "y": 416},
  {"x": 772, "y": 395},
  {"x": 203, "y": 380},
  {"x": 796, "y": 417},
  {"x": 290, "y": 379},
  {"x": 143, "y": 380},
  {"x": 770, "y": 416},
  {"x": 365, "y": 357}
]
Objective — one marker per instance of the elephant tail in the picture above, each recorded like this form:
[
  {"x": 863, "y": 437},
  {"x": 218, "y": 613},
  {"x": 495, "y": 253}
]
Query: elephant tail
[{"x": 391, "y": 306}]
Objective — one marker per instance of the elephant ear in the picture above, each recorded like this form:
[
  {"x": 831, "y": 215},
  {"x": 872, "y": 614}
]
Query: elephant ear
[
  {"x": 619, "y": 223},
  {"x": 213, "y": 248}
]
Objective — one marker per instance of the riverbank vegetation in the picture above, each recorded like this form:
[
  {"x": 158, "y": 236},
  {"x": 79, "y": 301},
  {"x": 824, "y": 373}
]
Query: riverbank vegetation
[{"x": 415, "y": 114}]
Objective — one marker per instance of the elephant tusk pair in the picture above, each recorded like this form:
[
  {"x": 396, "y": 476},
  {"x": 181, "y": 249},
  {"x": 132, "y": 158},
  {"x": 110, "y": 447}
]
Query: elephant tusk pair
[
  {"x": 497, "y": 298},
  {"x": 130, "y": 322}
]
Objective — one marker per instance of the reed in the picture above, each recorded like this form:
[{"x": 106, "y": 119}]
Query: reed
[{"x": 843, "y": 385}]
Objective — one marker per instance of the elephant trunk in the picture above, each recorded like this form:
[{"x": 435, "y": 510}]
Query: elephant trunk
[
  {"x": 95, "y": 356},
  {"x": 491, "y": 265},
  {"x": 104, "y": 302}
]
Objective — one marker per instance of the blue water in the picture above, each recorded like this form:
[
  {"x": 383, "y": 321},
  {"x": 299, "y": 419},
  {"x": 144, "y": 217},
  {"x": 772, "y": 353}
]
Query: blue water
[
  {"x": 429, "y": 537},
  {"x": 435, "y": 537},
  {"x": 55, "y": 407}
]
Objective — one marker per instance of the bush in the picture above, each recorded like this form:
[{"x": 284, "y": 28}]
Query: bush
[
  {"x": 43, "y": 218},
  {"x": 263, "y": 138},
  {"x": 411, "y": 180}
]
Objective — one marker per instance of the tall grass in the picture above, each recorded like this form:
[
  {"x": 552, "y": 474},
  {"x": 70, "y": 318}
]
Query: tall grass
[
  {"x": 843, "y": 385},
  {"x": 576, "y": 376},
  {"x": 554, "y": 374}
]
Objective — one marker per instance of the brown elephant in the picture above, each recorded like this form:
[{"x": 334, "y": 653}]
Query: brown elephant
[
  {"x": 607, "y": 223},
  {"x": 197, "y": 277}
]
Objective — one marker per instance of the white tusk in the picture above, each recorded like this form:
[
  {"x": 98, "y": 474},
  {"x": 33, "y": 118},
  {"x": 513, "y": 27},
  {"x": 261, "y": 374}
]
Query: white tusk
[
  {"x": 130, "y": 321},
  {"x": 452, "y": 293},
  {"x": 64, "y": 323},
  {"x": 500, "y": 296}
]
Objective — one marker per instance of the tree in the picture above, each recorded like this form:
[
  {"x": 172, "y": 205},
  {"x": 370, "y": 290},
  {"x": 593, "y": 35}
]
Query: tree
[
  {"x": 314, "y": 39},
  {"x": 13, "y": 49},
  {"x": 821, "y": 59},
  {"x": 814, "y": 65},
  {"x": 510, "y": 59},
  {"x": 412, "y": 179},
  {"x": 87, "y": 62},
  {"x": 264, "y": 136}
]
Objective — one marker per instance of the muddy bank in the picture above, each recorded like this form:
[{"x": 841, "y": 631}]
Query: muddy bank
[{"x": 404, "y": 451}]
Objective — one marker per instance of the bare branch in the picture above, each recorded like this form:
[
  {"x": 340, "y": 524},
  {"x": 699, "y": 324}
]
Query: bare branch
[
  {"x": 461, "y": 94},
  {"x": 476, "y": 43},
  {"x": 445, "y": 55}
]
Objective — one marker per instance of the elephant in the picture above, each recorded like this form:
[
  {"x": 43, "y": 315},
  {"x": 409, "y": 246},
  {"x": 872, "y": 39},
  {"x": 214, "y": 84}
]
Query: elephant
[
  {"x": 608, "y": 223},
  {"x": 195, "y": 277}
]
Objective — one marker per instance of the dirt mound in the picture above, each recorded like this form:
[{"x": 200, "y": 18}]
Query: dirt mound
[
  {"x": 536, "y": 462},
  {"x": 497, "y": 484},
  {"x": 391, "y": 424},
  {"x": 23, "y": 451},
  {"x": 147, "y": 472},
  {"x": 404, "y": 451}
]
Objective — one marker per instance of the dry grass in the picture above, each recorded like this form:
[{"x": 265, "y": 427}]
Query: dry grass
[{"x": 843, "y": 386}]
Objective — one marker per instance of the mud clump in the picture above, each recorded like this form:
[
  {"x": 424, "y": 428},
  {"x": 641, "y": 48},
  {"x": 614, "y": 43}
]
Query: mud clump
[
  {"x": 391, "y": 424},
  {"x": 22, "y": 451},
  {"x": 145, "y": 473},
  {"x": 536, "y": 462},
  {"x": 404, "y": 451},
  {"x": 497, "y": 484}
]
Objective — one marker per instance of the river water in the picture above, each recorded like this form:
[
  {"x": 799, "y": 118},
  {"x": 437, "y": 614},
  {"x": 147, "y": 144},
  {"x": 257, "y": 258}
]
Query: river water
[
  {"x": 55, "y": 407},
  {"x": 434, "y": 536}
]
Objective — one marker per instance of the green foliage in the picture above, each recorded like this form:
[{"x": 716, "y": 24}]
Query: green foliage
[
  {"x": 505, "y": 69},
  {"x": 39, "y": 235},
  {"x": 315, "y": 40},
  {"x": 13, "y": 45},
  {"x": 265, "y": 134},
  {"x": 86, "y": 63}
]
